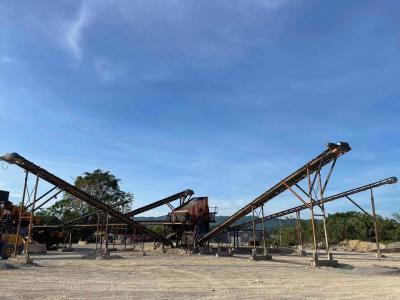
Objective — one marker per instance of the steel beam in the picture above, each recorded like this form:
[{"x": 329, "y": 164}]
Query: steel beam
[
  {"x": 390, "y": 180},
  {"x": 41, "y": 197},
  {"x": 15, "y": 158},
  {"x": 330, "y": 154},
  {"x": 182, "y": 195},
  {"x": 46, "y": 201}
]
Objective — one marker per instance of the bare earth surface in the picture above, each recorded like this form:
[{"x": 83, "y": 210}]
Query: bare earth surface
[{"x": 130, "y": 275}]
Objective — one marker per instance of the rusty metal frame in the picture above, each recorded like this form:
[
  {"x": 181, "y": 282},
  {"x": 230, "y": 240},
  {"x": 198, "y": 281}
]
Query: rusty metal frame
[
  {"x": 346, "y": 194},
  {"x": 183, "y": 197},
  {"x": 14, "y": 158},
  {"x": 312, "y": 200},
  {"x": 331, "y": 154},
  {"x": 47, "y": 200},
  {"x": 374, "y": 220},
  {"x": 41, "y": 197},
  {"x": 21, "y": 209},
  {"x": 390, "y": 180}
]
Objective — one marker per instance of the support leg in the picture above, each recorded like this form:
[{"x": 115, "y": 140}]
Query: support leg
[
  {"x": 378, "y": 250},
  {"x": 21, "y": 209},
  {"x": 254, "y": 233},
  {"x": 312, "y": 214},
  {"x": 107, "y": 233},
  {"x": 299, "y": 233},
  {"x": 321, "y": 189},
  {"x": 28, "y": 240},
  {"x": 97, "y": 230},
  {"x": 265, "y": 249}
]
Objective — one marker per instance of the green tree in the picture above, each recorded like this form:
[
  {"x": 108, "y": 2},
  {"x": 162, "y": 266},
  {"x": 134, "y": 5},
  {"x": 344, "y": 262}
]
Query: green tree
[
  {"x": 102, "y": 185},
  {"x": 396, "y": 216}
]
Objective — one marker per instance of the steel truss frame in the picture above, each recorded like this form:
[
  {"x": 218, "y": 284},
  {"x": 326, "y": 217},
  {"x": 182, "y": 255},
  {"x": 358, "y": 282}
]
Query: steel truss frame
[
  {"x": 63, "y": 186},
  {"x": 298, "y": 209},
  {"x": 315, "y": 165},
  {"x": 183, "y": 197}
]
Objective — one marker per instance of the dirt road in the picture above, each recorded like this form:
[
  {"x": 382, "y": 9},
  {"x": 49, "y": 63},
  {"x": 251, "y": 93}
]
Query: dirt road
[{"x": 130, "y": 275}]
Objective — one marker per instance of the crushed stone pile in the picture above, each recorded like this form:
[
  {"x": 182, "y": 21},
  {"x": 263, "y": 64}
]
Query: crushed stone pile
[{"x": 359, "y": 246}]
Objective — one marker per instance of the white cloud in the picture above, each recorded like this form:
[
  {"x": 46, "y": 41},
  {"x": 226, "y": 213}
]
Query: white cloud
[
  {"x": 72, "y": 32},
  {"x": 175, "y": 35}
]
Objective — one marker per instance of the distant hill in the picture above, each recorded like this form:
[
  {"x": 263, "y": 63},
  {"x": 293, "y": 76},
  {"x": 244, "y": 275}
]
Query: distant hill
[{"x": 159, "y": 218}]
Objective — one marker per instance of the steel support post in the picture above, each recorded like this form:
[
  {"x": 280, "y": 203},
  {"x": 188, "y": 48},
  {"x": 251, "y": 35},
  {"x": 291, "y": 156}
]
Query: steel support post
[
  {"x": 41, "y": 197},
  {"x": 237, "y": 238},
  {"x": 21, "y": 209},
  {"x": 70, "y": 239},
  {"x": 265, "y": 250},
  {"x": 299, "y": 231},
  {"x": 329, "y": 175},
  {"x": 97, "y": 230},
  {"x": 254, "y": 232},
  {"x": 235, "y": 234},
  {"x": 311, "y": 206},
  {"x": 378, "y": 250},
  {"x": 46, "y": 201},
  {"x": 28, "y": 240},
  {"x": 321, "y": 190},
  {"x": 362, "y": 209},
  {"x": 107, "y": 229}
]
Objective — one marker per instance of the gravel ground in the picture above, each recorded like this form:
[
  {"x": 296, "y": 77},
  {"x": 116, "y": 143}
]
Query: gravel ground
[{"x": 78, "y": 275}]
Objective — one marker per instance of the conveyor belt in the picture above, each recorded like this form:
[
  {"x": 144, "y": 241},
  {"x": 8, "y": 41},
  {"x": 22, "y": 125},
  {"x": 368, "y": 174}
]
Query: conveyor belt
[
  {"x": 15, "y": 158},
  {"x": 390, "y": 180},
  {"x": 181, "y": 195},
  {"x": 330, "y": 154}
]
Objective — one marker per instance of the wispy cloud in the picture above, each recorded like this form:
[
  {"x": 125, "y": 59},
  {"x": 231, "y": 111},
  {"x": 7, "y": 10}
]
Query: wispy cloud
[{"x": 72, "y": 32}]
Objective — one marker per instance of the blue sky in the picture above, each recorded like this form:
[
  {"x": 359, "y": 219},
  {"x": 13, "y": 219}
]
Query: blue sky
[{"x": 224, "y": 97}]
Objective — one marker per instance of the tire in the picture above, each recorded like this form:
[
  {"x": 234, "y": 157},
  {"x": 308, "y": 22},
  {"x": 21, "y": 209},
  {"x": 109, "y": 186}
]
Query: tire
[{"x": 6, "y": 251}]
